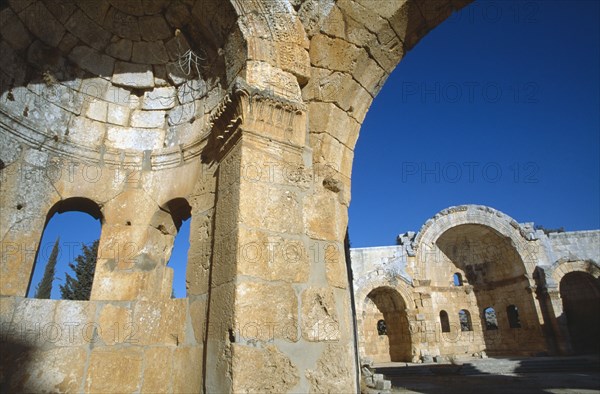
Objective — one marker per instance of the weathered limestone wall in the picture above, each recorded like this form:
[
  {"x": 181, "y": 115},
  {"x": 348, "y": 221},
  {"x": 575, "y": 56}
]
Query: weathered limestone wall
[
  {"x": 576, "y": 245},
  {"x": 131, "y": 335},
  {"x": 242, "y": 115},
  {"x": 100, "y": 346},
  {"x": 385, "y": 268},
  {"x": 456, "y": 342},
  {"x": 501, "y": 263},
  {"x": 381, "y": 259}
]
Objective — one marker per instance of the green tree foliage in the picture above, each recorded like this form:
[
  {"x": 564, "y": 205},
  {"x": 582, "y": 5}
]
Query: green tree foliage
[
  {"x": 44, "y": 288},
  {"x": 80, "y": 287}
]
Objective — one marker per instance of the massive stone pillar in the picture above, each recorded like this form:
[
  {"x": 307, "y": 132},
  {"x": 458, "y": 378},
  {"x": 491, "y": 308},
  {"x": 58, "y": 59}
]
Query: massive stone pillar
[
  {"x": 277, "y": 284},
  {"x": 557, "y": 320}
]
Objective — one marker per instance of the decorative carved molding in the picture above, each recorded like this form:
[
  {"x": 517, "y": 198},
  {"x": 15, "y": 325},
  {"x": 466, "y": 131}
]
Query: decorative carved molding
[
  {"x": 159, "y": 159},
  {"x": 254, "y": 110}
]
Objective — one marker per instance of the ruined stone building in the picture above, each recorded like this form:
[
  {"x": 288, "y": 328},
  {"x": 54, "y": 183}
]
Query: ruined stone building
[
  {"x": 473, "y": 282},
  {"x": 243, "y": 116}
]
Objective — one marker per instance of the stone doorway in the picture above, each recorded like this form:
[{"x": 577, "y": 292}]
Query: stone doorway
[
  {"x": 386, "y": 327},
  {"x": 580, "y": 293}
]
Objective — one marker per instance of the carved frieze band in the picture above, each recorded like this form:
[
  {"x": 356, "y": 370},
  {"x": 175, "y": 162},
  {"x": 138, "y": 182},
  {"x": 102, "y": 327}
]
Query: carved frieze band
[{"x": 257, "y": 111}]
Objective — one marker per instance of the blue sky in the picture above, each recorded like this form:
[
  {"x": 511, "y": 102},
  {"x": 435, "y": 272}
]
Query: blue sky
[
  {"x": 498, "y": 106},
  {"x": 75, "y": 228}
]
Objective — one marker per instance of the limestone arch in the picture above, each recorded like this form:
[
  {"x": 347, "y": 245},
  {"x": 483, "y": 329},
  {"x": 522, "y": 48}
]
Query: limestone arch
[
  {"x": 560, "y": 268},
  {"x": 171, "y": 214},
  {"x": 417, "y": 18},
  {"x": 575, "y": 317},
  {"x": 492, "y": 253},
  {"x": 167, "y": 221},
  {"x": 358, "y": 45},
  {"x": 25, "y": 219},
  {"x": 79, "y": 204},
  {"x": 371, "y": 299},
  {"x": 70, "y": 204},
  {"x": 488, "y": 217},
  {"x": 385, "y": 304},
  {"x": 375, "y": 280},
  {"x": 580, "y": 295}
]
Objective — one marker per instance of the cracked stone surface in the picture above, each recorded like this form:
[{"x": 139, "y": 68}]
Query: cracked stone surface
[{"x": 240, "y": 115}]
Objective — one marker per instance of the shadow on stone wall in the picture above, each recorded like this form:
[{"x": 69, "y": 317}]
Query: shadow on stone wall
[{"x": 15, "y": 358}]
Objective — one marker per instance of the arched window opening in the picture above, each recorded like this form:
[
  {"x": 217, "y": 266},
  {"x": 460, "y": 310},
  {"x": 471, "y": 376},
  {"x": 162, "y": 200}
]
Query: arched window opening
[
  {"x": 513, "y": 316},
  {"x": 381, "y": 327},
  {"x": 178, "y": 260},
  {"x": 465, "y": 320},
  {"x": 181, "y": 214},
  {"x": 65, "y": 261},
  {"x": 491, "y": 320},
  {"x": 444, "y": 321},
  {"x": 458, "y": 280}
]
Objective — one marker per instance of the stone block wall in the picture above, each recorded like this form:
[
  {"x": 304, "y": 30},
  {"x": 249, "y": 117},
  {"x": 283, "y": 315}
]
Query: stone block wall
[
  {"x": 242, "y": 115},
  {"x": 575, "y": 245},
  {"x": 100, "y": 346},
  {"x": 502, "y": 264}
]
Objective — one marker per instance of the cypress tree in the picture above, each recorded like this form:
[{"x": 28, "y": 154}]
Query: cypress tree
[
  {"x": 44, "y": 288},
  {"x": 80, "y": 287}
]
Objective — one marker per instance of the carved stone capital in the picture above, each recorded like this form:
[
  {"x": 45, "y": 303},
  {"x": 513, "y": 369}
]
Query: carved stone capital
[{"x": 255, "y": 111}]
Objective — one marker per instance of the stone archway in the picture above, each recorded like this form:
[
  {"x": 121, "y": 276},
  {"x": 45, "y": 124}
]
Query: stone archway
[
  {"x": 580, "y": 294},
  {"x": 89, "y": 87},
  {"x": 492, "y": 255},
  {"x": 494, "y": 276},
  {"x": 390, "y": 341}
]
